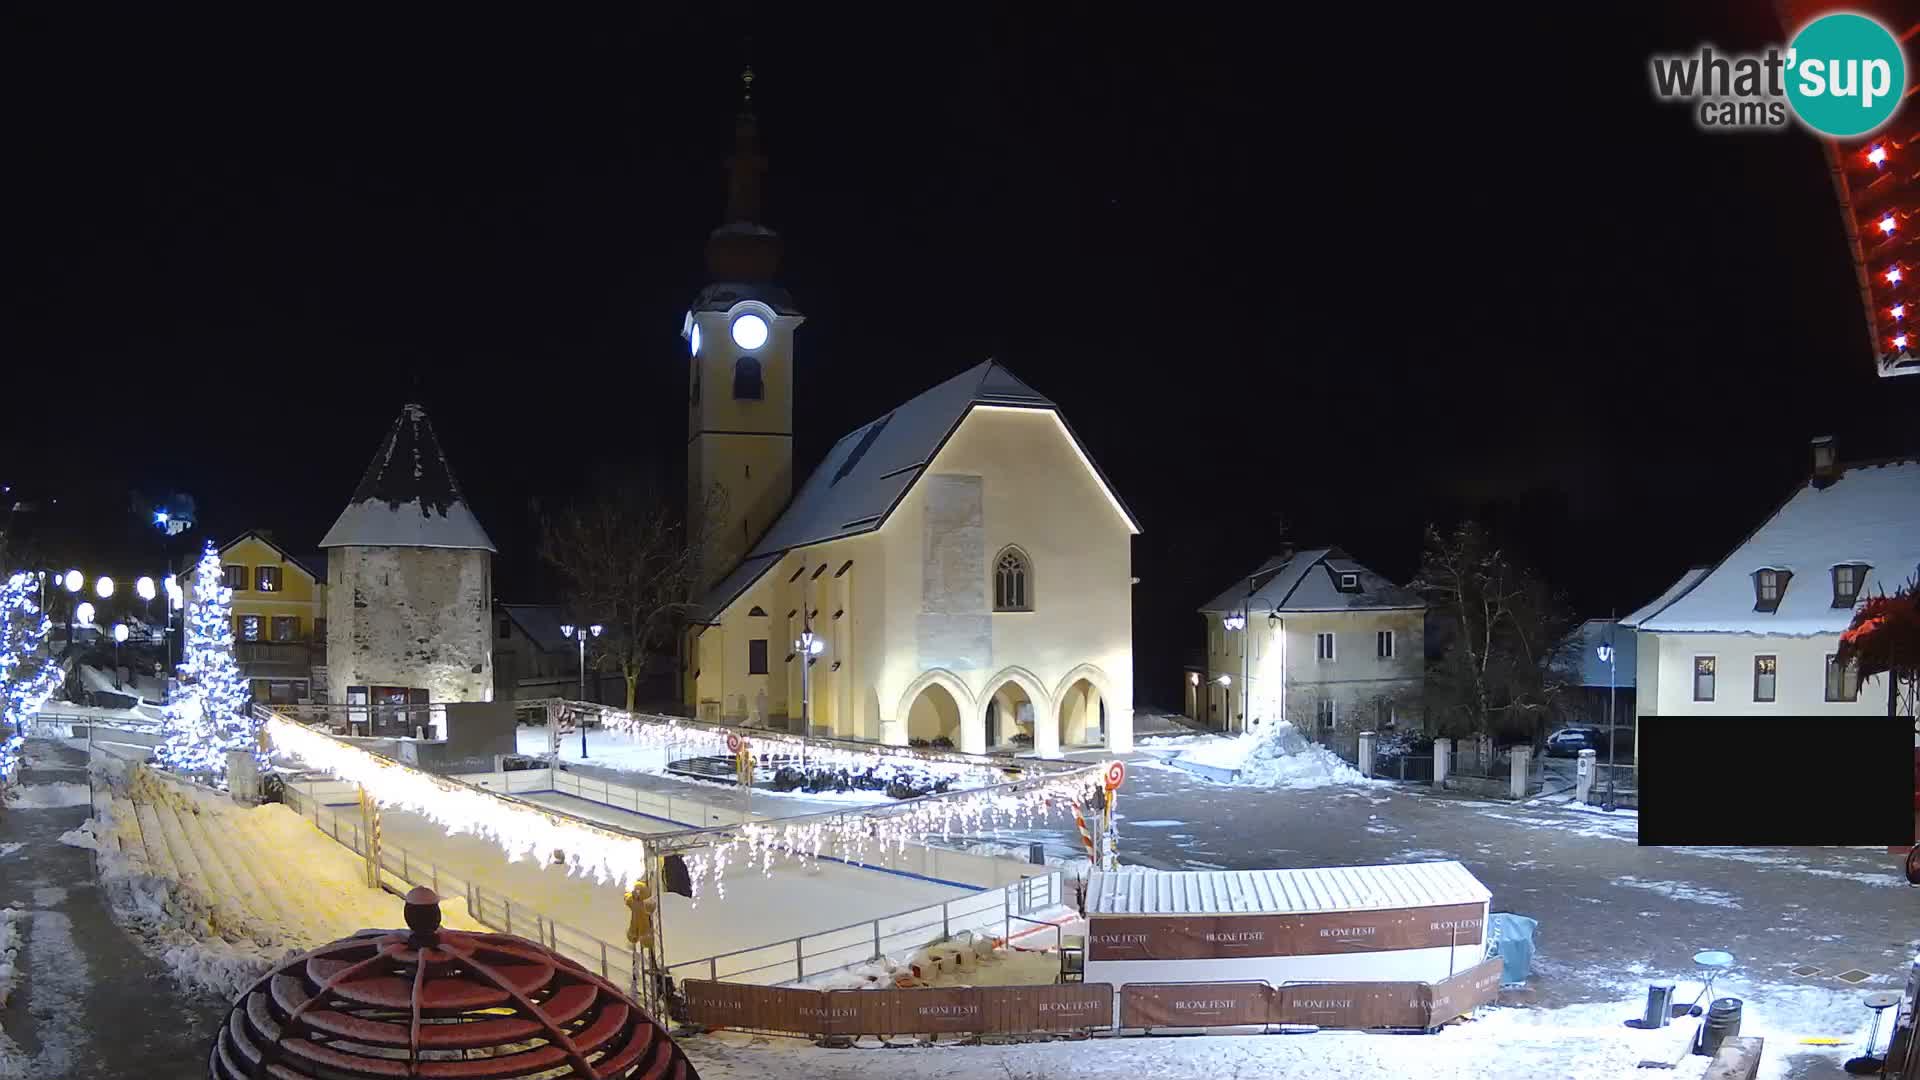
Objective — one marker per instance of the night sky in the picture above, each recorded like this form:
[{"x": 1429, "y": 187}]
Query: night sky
[{"x": 1354, "y": 274}]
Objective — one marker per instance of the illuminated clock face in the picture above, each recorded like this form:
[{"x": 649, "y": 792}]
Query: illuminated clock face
[
  {"x": 694, "y": 339},
  {"x": 749, "y": 332}
]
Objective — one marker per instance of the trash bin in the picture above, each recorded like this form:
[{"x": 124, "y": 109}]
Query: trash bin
[{"x": 1510, "y": 937}]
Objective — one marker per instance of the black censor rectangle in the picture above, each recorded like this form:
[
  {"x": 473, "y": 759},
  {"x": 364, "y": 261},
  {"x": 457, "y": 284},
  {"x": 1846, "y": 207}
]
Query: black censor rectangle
[{"x": 1776, "y": 781}]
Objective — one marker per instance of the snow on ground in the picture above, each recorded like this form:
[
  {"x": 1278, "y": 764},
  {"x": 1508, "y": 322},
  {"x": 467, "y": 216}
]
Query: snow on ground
[
  {"x": 46, "y": 796},
  {"x": 1680, "y": 890},
  {"x": 10, "y": 920},
  {"x": 220, "y": 892},
  {"x": 8, "y": 849},
  {"x": 1576, "y": 1042},
  {"x": 1033, "y": 959},
  {"x": 1278, "y": 757}
]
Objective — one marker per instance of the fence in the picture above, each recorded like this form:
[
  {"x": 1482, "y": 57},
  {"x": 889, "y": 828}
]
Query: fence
[
  {"x": 1409, "y": 768},
  {"x": 1090, "y": 1006}
]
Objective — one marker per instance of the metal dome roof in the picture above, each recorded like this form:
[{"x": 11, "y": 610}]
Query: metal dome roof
[{"x": 439, "y": 1003}]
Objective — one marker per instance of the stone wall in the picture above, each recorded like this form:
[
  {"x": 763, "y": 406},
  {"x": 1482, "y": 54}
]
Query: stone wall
[{"x": 418, "y": 617}]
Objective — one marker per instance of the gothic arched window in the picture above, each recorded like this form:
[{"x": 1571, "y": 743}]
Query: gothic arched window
[
  {"x": 746, "y": 379},
  {"x": 1012, "y": 581}
]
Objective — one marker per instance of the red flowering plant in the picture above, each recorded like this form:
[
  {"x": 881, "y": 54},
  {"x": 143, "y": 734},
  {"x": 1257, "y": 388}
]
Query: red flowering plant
[{"x": 1885, "y": 636}]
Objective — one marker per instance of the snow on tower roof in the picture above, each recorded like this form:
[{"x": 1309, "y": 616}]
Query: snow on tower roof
[
  {"x": 408, "y": 497},
  {"x": 1869, "y": 515},
  {"x": 872, "y": 468},
  {"x": 1283, "y": 892}
]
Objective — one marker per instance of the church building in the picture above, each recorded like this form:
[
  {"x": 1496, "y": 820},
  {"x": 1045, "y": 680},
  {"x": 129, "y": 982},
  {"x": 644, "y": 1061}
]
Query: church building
[{"x": 963, "y": 566}]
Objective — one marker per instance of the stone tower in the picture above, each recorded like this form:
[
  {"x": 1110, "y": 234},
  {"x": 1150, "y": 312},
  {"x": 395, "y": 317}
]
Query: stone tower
[
  {"x": 409, "y": 575},
  {"x": 740, "y": 381}
]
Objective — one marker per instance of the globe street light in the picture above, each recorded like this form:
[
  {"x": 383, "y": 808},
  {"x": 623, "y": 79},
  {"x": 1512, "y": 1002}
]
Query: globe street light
[
  {"x": 119, "y": 636},
  {"x": 144, "y": 588},
  {"x": 73, "y": 580},
  {"x": 808, "y": 646},
  {"x": 581, "y": 634},
  {"x": 84, "y": 613},
  {"x": 104, "y": 587}
]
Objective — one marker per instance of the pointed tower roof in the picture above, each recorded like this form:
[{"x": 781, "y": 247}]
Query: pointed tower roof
[
  {"x": 408, "y": 497},
  {"x": 743, "y": 250}
]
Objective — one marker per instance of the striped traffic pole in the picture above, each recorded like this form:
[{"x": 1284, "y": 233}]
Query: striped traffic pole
[{"x": 1086, "y": 838}]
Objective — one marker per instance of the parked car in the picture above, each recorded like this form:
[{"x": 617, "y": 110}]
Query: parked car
[{"x": 1569, "y": 741}]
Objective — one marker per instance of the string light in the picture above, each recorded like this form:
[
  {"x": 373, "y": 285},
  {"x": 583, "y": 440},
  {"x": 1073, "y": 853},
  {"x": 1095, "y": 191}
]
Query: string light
[
  {"x": 695, "y": 739},
  {"x": 520, "y": 829},
  {"x": 1898, "y": 311},
  {"x": 1886, "y": 224},
  {"x": 1893, "y": 275},
  {"x": 27, "y": 674},
  {"x": 1899, "y": 341},
  {"x": 1877, "y": 155},
  {"x": 210, "y": 716}
]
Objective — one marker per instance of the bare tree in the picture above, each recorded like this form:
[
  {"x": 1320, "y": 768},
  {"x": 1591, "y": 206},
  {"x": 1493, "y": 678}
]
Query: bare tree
[
  {"x": 1507, "y": 633},
  {"x": 627, "y": 560}
]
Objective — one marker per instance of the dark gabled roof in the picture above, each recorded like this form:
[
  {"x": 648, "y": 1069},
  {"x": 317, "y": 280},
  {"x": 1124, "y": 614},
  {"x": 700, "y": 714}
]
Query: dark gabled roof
[
  {"x": 872, "y": 467},
  {"x": 1305, "y": 581},
  {"x": 540, "y": 622},
  {"x": 408, "y": 496},
  {"x": 314, "y": 566}
]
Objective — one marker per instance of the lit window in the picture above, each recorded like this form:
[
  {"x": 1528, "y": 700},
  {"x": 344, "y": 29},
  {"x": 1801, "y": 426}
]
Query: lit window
[
  {"x": 266, "y": 578},
  {"x": 250, "y": 628},
  {"x": 286, "y": 628},
  {"x": 1383, "y": 644},
  {"x": 1012, "y": 581},
  {"x": 1847, "y": 579},
  {"x": 1323, "y": 646},
  {"x": 1764, "y": 670},
  {"x": 1703, "y": 678},
  {"x": 1768, "y": 587},
  {"x": 1843, "y": 681}
]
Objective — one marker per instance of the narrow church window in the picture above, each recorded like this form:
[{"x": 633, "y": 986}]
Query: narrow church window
[
  {"x": 1012, "y": 581},
  {"x": 757, "y": 656},
  {"x": 746, "y": 379}
]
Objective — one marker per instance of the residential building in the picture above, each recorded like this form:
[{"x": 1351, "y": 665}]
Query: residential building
[
  {"x": 409, "y": 589},
  {"x": 1757, "y": 632},
  {"x": 1595, "y": 685},
  {"x": 279, "y": 617},
  {"x": 532, "y": 659},
  {"x": 966, "y": 564},
  {"x": 1316, "y": 639}
]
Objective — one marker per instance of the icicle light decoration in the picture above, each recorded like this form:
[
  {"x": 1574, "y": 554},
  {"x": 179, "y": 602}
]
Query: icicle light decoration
[
  {"x": 913, "y": 764},
  {"x": 860, "y": 836},
  {"x": 521, "y": 830}
]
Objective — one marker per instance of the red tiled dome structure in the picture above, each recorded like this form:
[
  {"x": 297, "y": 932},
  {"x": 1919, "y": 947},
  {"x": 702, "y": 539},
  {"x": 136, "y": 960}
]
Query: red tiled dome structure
[{"x": 439, "y": 1003}]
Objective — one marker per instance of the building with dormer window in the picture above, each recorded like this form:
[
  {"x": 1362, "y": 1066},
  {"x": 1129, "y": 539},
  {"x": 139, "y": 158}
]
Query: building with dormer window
[{"x": 1757, "y": 632}]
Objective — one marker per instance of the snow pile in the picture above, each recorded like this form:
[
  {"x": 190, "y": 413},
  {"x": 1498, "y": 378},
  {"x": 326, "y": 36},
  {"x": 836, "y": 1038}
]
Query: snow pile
[
  {"x": 48, "y": 796},
  {"x": 1279, "y": 757},
  {"x": 10, "y": 920}
]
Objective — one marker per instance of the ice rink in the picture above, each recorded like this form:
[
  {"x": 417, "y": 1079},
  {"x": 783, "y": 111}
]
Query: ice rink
[{"x": 757, "y": 909}]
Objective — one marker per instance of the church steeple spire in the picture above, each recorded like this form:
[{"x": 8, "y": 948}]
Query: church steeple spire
[{"x": 743, "y": 249}]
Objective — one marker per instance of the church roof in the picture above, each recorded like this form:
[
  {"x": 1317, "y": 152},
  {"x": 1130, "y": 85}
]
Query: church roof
[
  {"x": 872, "y": 467},
  {"x": 408, "y": 497}
]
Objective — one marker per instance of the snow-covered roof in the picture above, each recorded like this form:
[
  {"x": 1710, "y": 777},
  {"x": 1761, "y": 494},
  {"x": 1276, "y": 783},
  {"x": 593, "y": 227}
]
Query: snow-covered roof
[
  {"x": 1870, "y": 515},
  {"x": 872, "y": 468},
  {"x": 408, "y": 497},
  {"x": 1674, "y": 592},
  {"x": 1283, "y": 892},
  {"x": 540, "y": 622},
  {"x": 1307, "y": 581},
  {"x": 1584, "y": 664}
]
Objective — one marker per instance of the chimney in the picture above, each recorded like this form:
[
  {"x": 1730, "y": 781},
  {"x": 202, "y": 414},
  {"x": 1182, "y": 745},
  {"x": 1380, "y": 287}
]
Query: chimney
[{"x": 1826, "y": 462}]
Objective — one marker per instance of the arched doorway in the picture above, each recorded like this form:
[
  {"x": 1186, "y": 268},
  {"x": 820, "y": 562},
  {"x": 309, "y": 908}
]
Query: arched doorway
[
  {"x": 933, "y": 715},
  {"x": 1010, "y": 716},
  {"x": 1083, "y": 716}
]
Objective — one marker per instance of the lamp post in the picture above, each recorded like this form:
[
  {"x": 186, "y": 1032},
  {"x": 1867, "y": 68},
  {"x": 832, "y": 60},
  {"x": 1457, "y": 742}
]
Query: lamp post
[
  {"x": 581, "y": 634},
  {"x": 1607, "y": 658},
  {"x": 73, "y": 582},
  {"x": 808, "y": 646},
  {"x": 119, "y": 636}
]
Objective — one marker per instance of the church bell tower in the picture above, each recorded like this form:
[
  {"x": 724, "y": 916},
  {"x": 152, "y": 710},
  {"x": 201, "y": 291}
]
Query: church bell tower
[{"x": 739, "y": 333}]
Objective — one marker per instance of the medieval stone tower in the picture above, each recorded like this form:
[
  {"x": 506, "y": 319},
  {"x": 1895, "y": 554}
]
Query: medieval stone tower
[{"x": 409, "y": 575}]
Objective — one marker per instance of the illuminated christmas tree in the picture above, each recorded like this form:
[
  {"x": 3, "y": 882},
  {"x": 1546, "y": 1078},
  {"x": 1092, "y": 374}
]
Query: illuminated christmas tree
[
  {"x": 27, "y": 671},
  {"x": 210, "y": 715}
]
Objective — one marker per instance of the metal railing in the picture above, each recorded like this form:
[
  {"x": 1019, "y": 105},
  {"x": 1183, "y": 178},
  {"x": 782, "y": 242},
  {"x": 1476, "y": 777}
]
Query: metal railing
[{"x": 826, "y": 951}]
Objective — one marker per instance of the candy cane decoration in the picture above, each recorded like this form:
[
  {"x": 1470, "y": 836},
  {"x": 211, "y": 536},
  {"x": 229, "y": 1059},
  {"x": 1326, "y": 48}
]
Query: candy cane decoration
[{"x": 1086, "y": 838}]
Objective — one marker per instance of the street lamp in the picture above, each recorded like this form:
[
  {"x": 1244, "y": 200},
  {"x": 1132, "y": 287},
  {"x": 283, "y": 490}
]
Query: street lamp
[
  {"x": 808, "y": 646},
  {"x": 119, "y": 636},
  {"x": 104, "y": 587},
  {"x": 581, "y": 634},
  {"x": 1607, "y": 657},
  {"x": 84, "y": 613}
]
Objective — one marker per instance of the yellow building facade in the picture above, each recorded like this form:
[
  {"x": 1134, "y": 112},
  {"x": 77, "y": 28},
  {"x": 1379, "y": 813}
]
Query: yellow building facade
[{"x": 279, "y": 617}]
